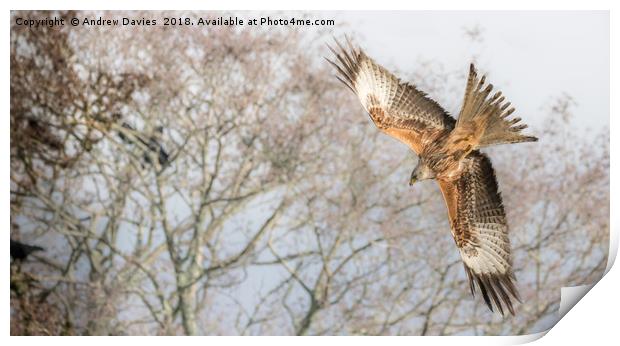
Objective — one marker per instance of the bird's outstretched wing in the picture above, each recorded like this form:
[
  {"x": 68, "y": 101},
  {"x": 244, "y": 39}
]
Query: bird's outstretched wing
[
  {"x": 479, "y": 228},
  {"x": 397, "y": 108}
]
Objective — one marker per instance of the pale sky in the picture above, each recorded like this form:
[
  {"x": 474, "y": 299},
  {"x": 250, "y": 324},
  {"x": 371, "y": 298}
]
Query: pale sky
[{"x": 531, "y": 55}]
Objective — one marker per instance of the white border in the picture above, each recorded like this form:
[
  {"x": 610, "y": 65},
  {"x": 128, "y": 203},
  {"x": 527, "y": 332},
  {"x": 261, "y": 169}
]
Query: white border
[
  {"x": 316, "y": 5},
  {"x": 593, "y": 321}
]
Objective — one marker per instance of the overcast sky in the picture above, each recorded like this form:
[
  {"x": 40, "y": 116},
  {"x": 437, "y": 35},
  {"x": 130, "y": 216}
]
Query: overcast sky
[{"x": 531, "y": 55}]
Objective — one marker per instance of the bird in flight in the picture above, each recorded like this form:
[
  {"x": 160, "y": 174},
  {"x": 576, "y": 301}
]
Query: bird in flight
[{"x": 448, "y": 151}]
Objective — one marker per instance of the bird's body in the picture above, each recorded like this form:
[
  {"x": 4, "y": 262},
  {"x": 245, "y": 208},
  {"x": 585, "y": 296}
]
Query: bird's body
[{"x": 448, "y": 151}]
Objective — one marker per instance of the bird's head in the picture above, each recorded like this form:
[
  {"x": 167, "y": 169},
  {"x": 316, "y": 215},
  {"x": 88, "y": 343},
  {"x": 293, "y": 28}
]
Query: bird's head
[{"x": 421, "y": 172}]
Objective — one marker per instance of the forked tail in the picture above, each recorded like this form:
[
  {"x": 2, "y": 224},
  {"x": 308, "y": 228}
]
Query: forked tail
[{"x": 483, "y": 120}]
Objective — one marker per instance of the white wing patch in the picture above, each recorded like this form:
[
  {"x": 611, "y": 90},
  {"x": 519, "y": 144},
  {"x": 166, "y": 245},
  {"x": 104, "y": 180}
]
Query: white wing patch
[{"x": 377, "y": 87}]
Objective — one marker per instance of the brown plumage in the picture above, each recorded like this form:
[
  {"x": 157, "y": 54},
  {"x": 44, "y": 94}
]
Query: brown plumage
[{"x": 448, "y": 152}]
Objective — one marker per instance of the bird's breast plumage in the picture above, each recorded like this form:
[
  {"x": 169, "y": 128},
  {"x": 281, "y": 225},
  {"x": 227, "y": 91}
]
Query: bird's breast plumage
[{"x": 445, "y": 163}]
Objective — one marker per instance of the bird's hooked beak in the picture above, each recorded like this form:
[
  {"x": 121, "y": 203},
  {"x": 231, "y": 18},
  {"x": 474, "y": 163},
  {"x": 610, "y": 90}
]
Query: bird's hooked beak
[{"x": 413, "y": 178}]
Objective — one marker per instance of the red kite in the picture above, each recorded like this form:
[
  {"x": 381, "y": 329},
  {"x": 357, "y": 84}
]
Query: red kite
[{"x": 448, "y": 152}]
